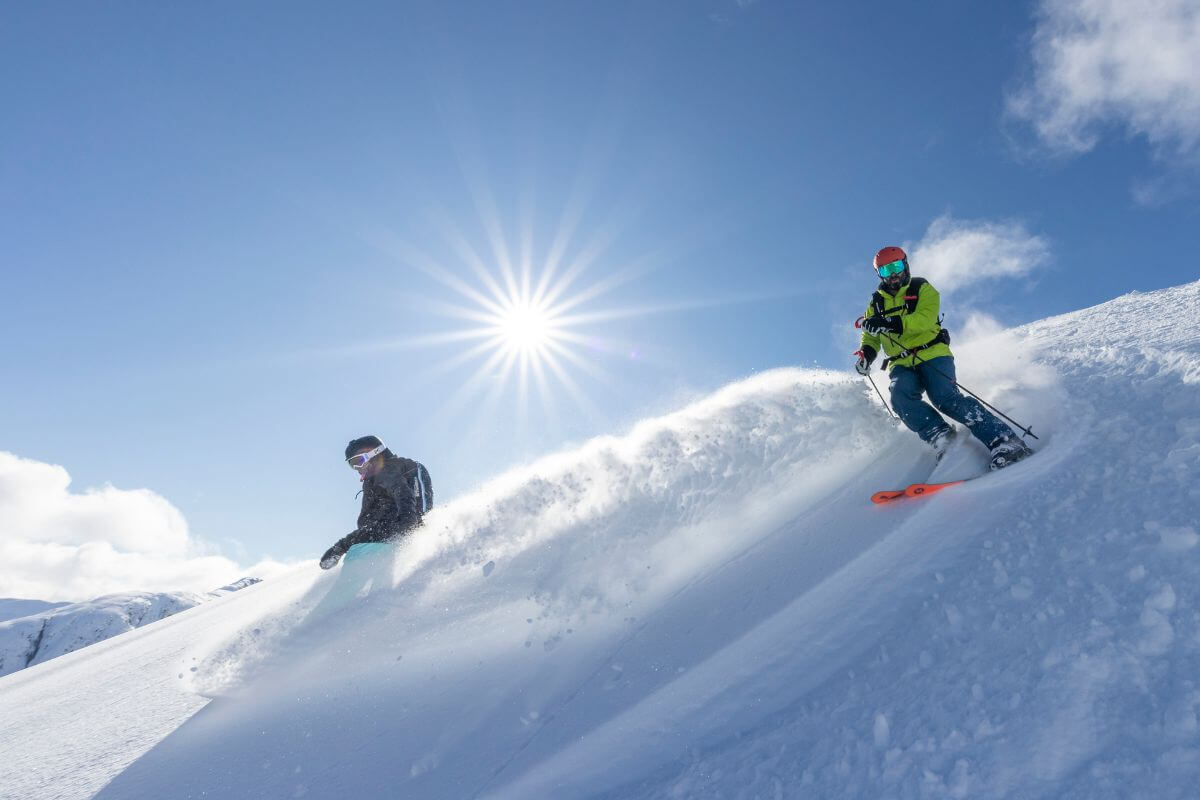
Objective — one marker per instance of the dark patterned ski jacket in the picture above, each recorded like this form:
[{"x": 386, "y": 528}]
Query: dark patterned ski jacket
[{"x": 393, "y": 501}]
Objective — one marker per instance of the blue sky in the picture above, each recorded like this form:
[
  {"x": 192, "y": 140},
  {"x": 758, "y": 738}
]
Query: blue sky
[{"x": 234, "y": 236}]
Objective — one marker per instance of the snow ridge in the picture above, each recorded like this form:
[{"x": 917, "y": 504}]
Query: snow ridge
[
  {"x": 11, "y": 608},
  {"x": 65, "y": 627}
]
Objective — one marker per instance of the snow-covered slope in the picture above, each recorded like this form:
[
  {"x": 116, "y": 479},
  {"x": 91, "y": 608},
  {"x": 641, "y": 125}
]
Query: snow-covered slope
[
  {"x": 49, "y": 630},
  {"x": 710, "y": 607}
]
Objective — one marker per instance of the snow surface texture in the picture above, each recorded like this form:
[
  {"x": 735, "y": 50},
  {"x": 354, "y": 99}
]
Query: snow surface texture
[
  {"x": 710, "y": 607},
  {"x": 49, "y": 630},
  {"x": 69, "y": 725}
]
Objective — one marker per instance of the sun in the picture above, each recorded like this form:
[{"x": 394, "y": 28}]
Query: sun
[
  {"x": 526, "y": 322},
  {"x": 526, "y": 328}
]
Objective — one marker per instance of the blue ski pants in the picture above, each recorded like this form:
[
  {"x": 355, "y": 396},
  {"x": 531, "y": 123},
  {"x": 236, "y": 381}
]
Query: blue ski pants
[{"x": 936, "y": 378}]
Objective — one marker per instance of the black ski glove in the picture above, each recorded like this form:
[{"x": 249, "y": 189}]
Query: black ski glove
[
  {"x": 877, "y": 325},
  {"x": 866, "y": 357},
  {"x": 332, "y": 556}
]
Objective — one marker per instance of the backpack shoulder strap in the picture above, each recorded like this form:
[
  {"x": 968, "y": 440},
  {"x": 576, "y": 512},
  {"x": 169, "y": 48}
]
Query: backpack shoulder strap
[
  {"x": 423, "y": 488},
  {"x": 910, "y": 299},
  {"x": 913, "y": 295}
]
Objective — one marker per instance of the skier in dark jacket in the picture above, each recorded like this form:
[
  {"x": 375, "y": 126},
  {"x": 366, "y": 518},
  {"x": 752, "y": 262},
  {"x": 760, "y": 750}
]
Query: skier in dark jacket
[
  {"x": 903, "y": 321},
  {"x": 396, "y": 493}
]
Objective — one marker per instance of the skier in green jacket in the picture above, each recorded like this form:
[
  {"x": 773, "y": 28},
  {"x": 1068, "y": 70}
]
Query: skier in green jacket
[{"x": 903, "y": 321}]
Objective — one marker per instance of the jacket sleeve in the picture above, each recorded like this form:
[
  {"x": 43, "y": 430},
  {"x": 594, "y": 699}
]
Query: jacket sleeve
[
  {"x": 356, "y": 536},
  {"x": 380, "y": 521},
  {"x": 869, "y": 340},
  {"x": 922, "y": 324}
]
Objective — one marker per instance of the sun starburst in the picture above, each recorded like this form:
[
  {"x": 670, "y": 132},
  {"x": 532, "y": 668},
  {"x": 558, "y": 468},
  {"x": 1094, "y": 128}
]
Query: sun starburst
[
  {"x": 533, "y": 330},
  {"x": 527, "y": 328}
]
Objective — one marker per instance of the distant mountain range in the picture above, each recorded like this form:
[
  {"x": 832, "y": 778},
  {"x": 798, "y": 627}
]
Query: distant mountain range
[{"x": 33, "y": 631}]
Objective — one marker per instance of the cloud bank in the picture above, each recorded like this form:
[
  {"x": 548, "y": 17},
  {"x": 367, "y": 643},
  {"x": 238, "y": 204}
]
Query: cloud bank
[
  {"x": 1097, "y": 62},
  {"x": 56, "y": 544},
  {"x": 954, "y": 254}
]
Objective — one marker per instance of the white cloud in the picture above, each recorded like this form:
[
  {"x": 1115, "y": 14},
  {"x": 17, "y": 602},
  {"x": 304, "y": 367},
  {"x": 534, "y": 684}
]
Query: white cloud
[
  {"x": 56, "y": 544},
  {"x": 955, "y": 254},
  {"x": 1098, "y": 62},
  {"x": 1159, "y": 190}
]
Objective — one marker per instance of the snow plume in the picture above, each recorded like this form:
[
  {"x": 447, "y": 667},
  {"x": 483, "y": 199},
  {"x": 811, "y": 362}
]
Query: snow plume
[
  {"x": 588, "y": 539},
  {"x": 956, "y": 254},
  {"x": 62, "y": 545},
  {"x": 1113, "y": 61},
  {"x": 760, "y": 442},
  {"x": 978, "y": 325}
]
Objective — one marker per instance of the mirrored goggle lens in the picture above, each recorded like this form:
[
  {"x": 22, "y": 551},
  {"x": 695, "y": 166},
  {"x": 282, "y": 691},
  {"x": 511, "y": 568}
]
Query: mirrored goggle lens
[{"x": 894, "y": 268}]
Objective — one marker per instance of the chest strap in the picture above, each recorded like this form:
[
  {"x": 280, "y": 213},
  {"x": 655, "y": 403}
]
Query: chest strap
[{"x": 943, "y": 337}]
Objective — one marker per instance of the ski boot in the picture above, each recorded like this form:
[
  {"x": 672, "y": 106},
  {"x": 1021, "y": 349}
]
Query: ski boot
[
  {"x": 1007, "y": 451},
  {"x": 940, "y": 442}
]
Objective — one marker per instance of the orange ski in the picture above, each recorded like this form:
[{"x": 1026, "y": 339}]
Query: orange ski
[
  {"x": 886, "y": 496},
  {"x": 914, "y": 490}
]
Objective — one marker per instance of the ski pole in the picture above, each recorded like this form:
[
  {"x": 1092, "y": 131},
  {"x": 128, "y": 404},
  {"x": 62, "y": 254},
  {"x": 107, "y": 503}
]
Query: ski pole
[
  {"x": 858, "y": 324},
  {"x": 885, "y": 403},
  {"x": 1026, "y": 431}
]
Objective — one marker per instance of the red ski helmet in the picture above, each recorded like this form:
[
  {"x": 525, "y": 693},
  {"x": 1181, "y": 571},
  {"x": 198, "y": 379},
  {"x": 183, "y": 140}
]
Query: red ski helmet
[{"x": 889, "y": 254}]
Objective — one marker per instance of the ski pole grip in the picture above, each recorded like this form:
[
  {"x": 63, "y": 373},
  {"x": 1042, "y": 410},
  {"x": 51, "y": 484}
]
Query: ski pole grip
[{"x": 858, "y": 322}]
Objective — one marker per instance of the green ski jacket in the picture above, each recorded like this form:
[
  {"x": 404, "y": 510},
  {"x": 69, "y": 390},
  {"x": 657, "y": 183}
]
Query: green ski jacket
[{"x": 917, "y": 304}]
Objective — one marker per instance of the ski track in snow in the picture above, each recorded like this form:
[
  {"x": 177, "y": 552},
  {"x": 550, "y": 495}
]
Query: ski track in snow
[{"x": 710, "y": 607}]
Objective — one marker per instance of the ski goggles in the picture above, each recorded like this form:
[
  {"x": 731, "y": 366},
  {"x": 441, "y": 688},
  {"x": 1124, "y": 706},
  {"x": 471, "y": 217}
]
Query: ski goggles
[
  {"x": 894, "y": 268},
  {"x": 359, "y": 461}
]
